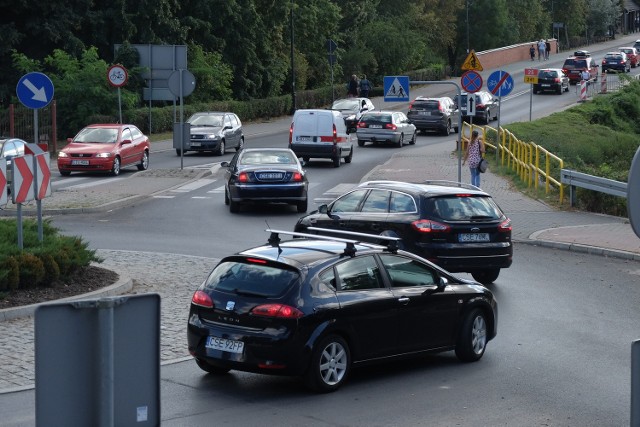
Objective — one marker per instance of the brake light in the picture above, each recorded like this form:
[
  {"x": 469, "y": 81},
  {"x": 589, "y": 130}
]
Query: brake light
[
  {"x": 202, "y": 299},
  {"x": 440, "y": 107},
  {"x": 335, "y": 134},
  {"x": 480, "y": 106},
  {"x": 243, "y": 177},
  {"x": 290, "y": 133},
  {"x": 256, "y": 260},
  {"x": 556, "y": 80},
  {"x": 463, "y": 195},
  {"x": 297, "y": 177},
  {"x": 505, "y": 226},
  {"x": 281, "y": 311},
  {"x": 362, "y": 125},
  {"x": 428, "y": 226},
  {"x": 410, "y": 105},
  {"x": 390, "y": 126}
]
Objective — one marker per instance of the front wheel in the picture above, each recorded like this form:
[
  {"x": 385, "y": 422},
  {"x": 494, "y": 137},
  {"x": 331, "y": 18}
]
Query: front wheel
[
  {"x": 472, "y": 340},
  {"x": 330, "y": 364},
  {"x": 221, "y": 149},
  {"x": 486, "y": 277},
  {"x": 115, "y": 169},
  {"x": 144, "y": 163}
]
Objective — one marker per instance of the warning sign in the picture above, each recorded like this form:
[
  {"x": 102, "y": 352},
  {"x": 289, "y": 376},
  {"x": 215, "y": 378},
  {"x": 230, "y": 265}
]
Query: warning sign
[
  {"x": 472, "y": 62},
  {"x": 396, "y": 88}
]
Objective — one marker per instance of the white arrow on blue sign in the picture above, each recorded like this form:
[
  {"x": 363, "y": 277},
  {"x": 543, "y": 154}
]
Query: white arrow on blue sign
[
  {"x": 35, "y": 90},
  {"x": 500, "y": 83}
]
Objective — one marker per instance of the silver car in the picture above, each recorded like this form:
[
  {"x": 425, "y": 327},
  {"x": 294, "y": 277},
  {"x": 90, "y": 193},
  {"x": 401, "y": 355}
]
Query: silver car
[
  {"x": 387, "y": 127},
  {"x": 351, "y": 109},
  {"x": 214, "y": 131}
]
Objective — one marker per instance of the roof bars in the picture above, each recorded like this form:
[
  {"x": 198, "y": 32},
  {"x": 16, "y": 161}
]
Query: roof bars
[{"x": 350, "y": 250}]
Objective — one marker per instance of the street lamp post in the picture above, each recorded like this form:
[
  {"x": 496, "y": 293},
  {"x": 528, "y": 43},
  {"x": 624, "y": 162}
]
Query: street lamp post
[
  {"x": 293, "y": 68},
  {"x": 467, "y": 3}
]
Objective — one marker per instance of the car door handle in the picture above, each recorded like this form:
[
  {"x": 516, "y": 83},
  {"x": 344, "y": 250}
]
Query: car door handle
[{"x": 403, "y": 300}]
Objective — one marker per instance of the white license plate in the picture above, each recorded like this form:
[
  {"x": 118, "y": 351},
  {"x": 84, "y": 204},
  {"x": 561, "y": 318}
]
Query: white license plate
[
  {"x": 196, "y": 144},
  {"x": 270, "y": 176},
  {"x": 376, "y": 126},
  {"x": 80, "y": 162},
  {"x": 425, "y": 113},
  {"x": 230, "y": 346},
  {"x": 546, "y": 85},
  {"x": 473, "y": 237},
  {"x": 303, "y": 138}
]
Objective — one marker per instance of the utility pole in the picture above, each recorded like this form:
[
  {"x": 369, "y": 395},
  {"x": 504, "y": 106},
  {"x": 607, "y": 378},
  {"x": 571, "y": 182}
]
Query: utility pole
[{"x": 293, "y": 68}]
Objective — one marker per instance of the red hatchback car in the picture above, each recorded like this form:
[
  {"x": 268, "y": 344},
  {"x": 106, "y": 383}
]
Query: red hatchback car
[{"x": 105, "y": 148}]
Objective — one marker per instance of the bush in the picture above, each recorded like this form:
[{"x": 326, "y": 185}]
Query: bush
[
  {"x": 9, "y": 274},
  {"x": 31, "y": 270}
]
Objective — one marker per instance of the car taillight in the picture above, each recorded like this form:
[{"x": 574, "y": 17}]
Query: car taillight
[
  {"x": 390, "y": 126},
  {"x": 428, "y": 226},
  {"x": 411, "y": 105},
  {"x": 505, "y": 226},
  {"x": 362, "y": 125},
  {"x": 281, "y": 311},
  {"x": 557, "y": 80},
  {"x": 243, "y": 177},
  {"x": 202, "y": 299},
  {"x": 290, "y": 133},
  {"x": 335, "y": 134},
  {"x": 297, "y": 177},
  {"x": 440, "y": 107},
  {"x": 480, "y": 106}
]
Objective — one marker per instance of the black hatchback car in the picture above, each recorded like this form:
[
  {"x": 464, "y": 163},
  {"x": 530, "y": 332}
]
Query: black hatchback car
[
  {"x": 552, "y": 79},
  {"x": 456, "y": 226},
  {"x": 316, "y": 306}
]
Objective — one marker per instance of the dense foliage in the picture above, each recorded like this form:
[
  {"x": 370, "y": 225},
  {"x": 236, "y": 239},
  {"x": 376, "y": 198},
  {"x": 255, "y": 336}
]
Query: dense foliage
[{"x": 39, "y": 263}]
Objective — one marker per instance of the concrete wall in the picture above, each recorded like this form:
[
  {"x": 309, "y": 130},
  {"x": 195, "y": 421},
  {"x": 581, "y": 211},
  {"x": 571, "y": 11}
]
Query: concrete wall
[{"x": 494, "y": 58}]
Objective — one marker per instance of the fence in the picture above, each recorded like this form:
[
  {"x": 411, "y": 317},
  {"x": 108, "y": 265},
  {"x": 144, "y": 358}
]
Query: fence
[
  {"x": 16, "y": 121},
  {"x": 603, "y": 185}
]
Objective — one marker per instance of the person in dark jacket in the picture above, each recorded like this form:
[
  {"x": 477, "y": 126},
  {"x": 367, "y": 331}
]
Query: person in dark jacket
[
  {"x": 352, "y": 91},
  {"x": 365, "y": 86}
]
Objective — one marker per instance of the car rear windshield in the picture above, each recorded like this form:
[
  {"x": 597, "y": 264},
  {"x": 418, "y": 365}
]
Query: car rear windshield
[
  {"x": 616, "y": 57},
  {"x": 571, "y": 64},
  {"x": 432, "y": 105},
  {"x": 462, "y": 208},
  {"x": 376, "y": 118},
  {"x": 547, "y": 74},
  {"x": 250, "y": 278}
]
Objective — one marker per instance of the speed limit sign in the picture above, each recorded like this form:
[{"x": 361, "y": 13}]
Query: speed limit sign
[{"x": 117, "y": 75}]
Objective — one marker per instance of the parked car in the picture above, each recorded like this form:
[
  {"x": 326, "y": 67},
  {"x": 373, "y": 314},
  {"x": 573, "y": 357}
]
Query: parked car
[
  {"x": 214, "y": 131},
  {"x": 351, "y": 110},
  {"x": 457, "y": 226},
  {"x": 551, "y": 79},
  {"x": 10, "y": 148},
  {"x": 265, "y": 175},
  {"x": 386, "y": 127},
  {"x": 574, "y": 65},
  {"x": 616, "y": 61},
  {"x": 316, "y": 133},
  {"x": 315, "y": 308},
  {"x": 487, "y": 107},
  {"x": 105, "y": 148},
  {"x": 636, "y": 44},
  {"x": 633, "y": 55},
  {"x": 438, "y": 114}
]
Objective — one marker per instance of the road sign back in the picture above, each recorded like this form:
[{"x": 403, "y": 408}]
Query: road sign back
[{"x": 472, "y": 62}]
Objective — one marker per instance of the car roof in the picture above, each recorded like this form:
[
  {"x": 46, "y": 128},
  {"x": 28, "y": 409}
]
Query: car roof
[{"x": 431, "y": 188}]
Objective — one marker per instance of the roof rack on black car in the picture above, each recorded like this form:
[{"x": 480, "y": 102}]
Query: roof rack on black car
[
  {"x": 451, "y": 184},
  {"x": 387, "y": 182},
  {"x": 350, "y": 250}
]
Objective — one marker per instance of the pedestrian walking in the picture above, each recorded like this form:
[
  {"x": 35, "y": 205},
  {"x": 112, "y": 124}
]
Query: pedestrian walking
[
  {"x": 352, "y": 87},
  {"x": 473, "y": 153},
  {"x": 541, "y": 48},
  {"x": 365, "y": 86},
  {"x": 547, "y": 49},
  {"x": 532, "y": 53}
]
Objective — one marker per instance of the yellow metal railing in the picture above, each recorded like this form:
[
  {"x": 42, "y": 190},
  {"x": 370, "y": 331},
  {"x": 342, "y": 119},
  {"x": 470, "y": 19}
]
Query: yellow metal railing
[{"x": 531, "y": 162}]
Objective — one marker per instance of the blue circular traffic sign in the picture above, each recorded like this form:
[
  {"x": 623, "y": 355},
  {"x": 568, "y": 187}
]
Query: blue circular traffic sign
[
  {"x": 471, "y": 81},
  {"x": 35, "y": 90},
  {"x": 500, "y": 83}
]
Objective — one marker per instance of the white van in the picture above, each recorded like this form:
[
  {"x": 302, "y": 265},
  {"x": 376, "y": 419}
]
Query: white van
[{"x": 320, "y": 134}]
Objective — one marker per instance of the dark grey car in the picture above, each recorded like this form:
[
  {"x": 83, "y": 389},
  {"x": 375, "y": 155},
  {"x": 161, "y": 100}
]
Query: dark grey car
[
  {"x": 215, "y": 132},
  {"x": 552, "y": 79},
  {"x": 436, "y": 114}
]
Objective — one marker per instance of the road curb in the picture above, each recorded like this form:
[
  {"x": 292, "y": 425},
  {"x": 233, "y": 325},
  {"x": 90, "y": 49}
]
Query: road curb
[{"x": 581, "y": 248}]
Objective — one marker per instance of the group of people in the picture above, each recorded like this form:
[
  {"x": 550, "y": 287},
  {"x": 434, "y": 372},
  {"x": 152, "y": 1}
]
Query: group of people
[
  {"x": 543, "y": 47},
  {"x": 357, "y": 87}
]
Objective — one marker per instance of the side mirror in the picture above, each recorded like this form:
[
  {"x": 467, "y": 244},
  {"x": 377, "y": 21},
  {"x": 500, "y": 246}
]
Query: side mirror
[
  {"x": 224, "y": 164},
  {"x": 443, "y": 282},
  {"x": 69, "y": 140},
  {"x": 126, "y": 141},
  {"x": 323, "y": 209}
]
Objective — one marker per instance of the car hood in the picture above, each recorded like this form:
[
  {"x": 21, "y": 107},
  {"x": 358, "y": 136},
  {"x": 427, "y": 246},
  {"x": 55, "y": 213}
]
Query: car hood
[
  {"x": 88, "y": 148},
  {"x": 205, "y": 129}
]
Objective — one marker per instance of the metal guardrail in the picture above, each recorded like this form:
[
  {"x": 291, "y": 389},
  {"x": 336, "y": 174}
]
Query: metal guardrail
[{"x": 603, "y": 185}]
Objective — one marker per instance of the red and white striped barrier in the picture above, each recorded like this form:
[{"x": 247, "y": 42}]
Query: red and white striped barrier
[{"x": 583, "y": 91}]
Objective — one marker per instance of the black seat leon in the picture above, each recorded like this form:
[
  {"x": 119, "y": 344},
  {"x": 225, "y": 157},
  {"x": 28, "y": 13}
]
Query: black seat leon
[{"x": 456, "y": 226}]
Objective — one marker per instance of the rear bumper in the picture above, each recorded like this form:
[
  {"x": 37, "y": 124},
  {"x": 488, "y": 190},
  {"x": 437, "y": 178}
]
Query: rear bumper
[
  {"x": 459, "y": 257},
  {"x": 296, "y": 192},
  {"x": 320, "y": 150}
]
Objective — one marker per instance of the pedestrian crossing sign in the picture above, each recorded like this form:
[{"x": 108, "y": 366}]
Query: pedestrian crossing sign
[
  {"x": 396, "y": 88},
  {"x": 472, "y": 62}
]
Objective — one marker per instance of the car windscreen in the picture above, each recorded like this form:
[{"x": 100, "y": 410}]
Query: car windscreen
[
  {"x": 462, "y": 208},
  {"x": 250, "y": 278},
  {"x": 206, "y": 120},
  {"x": 345, "y": 104},
  {"x": 99, "y": 135},
  {"x": 432, "y": 105}
]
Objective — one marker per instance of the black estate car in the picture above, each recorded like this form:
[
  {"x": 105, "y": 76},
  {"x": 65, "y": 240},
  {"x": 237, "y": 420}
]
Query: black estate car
[
  {"x": 457, "y": 226},
  {"x": 316, "y": 306}
]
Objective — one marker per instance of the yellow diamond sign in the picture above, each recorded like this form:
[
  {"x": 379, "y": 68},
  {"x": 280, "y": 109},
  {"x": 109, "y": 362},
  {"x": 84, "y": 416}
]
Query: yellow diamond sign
[{"x": 472, "y": 62}]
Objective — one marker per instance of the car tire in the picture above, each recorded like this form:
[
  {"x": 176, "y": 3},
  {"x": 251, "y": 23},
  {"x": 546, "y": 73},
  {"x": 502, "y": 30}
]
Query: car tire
[
  {"x": 240, "y": 145},
  {"x": 559, "y": 90},
  {"x": 349, "y": 157},
  {"x": 447, "y": 129},
  {"x": 208, "y": 368},
  {"x": 400, "y": 141},
  {"x": 221, "y": 148},
  {"x": 360, "y": 143},
  {"x": 179, "y": 152},
  {"x": 115, "y": 169},
  {"x": 487, "y": 276},
  {"x": 472, "y": 339},
  {"x": 302, "y": 206},
  {"x": 226, "y": 197},
  {"x": 234, "y": 207},
  {"x": 412, "y": 141},
  {"x": 336, "y": 160},
  {"x": 144, "y": 163},
  {"x": 330, "y": 364}
]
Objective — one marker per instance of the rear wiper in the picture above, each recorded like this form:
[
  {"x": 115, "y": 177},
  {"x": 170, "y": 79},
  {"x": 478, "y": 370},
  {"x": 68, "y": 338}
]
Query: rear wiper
[
  {"x": 481, "y": 217},
  {"x": 249, "y": 293}
]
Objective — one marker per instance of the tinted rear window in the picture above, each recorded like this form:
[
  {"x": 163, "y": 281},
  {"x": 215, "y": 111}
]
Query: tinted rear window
[
  {"x": 426, "y": 105},
  {"x": 547, "y": 74},
  {"x": 252, "y": 279},
  {"x": 462, "y": 208},
  {"x": 376, "y": 118},
  {"x": 570, "y": 64}
]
